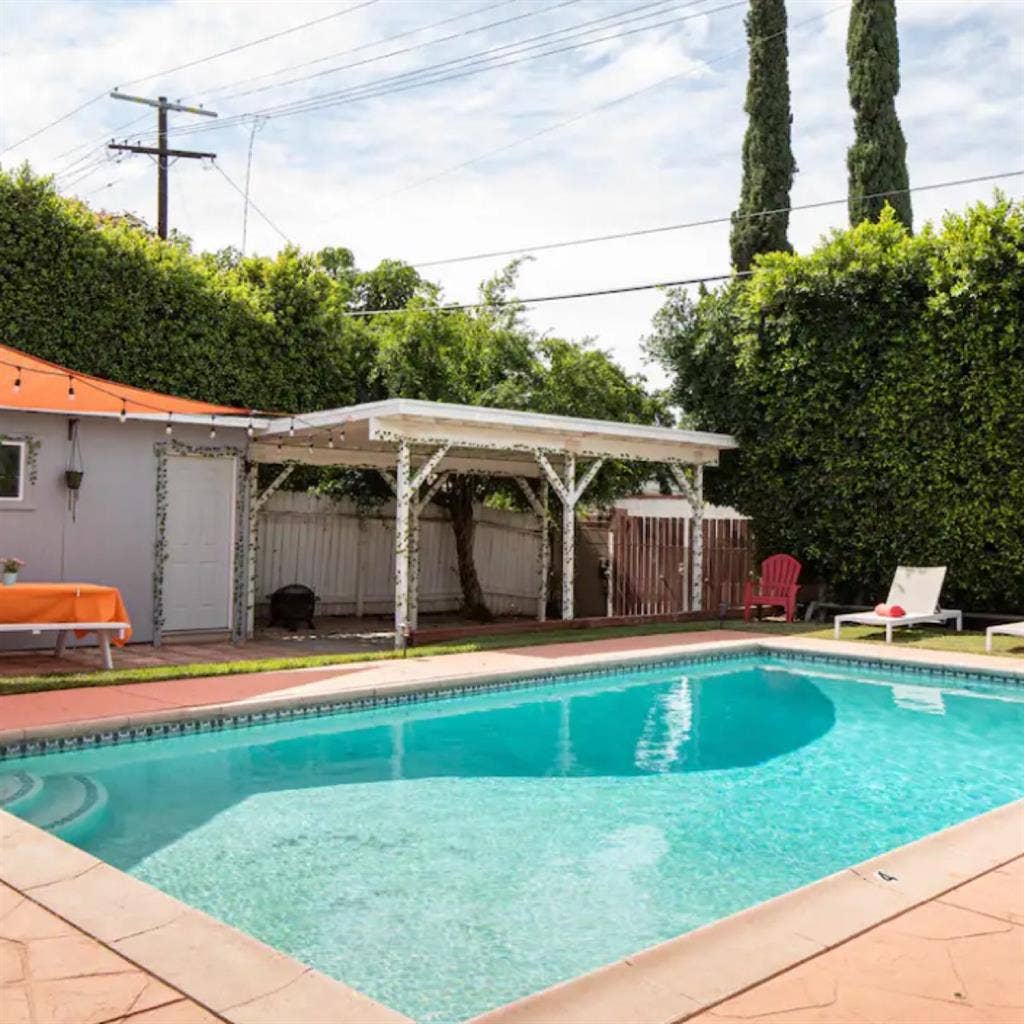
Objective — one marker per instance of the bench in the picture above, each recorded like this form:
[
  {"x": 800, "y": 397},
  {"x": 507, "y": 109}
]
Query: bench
[{"x": 103, "y": 630}]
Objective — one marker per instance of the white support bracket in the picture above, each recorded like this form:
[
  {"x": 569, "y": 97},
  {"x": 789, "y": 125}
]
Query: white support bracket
[{"x": 569, "y": 492}]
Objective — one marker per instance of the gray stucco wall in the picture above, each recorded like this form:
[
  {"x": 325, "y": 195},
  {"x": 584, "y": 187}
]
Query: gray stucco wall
[{"x": 112, "y": 539}]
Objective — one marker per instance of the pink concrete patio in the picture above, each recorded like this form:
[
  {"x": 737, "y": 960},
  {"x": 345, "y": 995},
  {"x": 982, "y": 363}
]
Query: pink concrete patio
[{"x": 82, "y": 943}]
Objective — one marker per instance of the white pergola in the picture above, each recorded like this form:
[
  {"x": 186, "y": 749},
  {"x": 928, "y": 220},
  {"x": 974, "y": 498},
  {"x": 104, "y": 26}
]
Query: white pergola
[{"x": 414, "y": 444}]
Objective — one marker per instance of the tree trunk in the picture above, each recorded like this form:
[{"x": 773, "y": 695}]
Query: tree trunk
[{"x": 459, "y": 503}]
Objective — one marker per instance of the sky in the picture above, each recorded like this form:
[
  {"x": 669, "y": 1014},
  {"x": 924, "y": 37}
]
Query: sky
[{"x": 640, "y": 128}]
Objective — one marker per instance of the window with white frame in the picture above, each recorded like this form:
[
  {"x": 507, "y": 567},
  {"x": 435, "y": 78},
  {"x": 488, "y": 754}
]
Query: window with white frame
[{"x": 12, "y": 470}]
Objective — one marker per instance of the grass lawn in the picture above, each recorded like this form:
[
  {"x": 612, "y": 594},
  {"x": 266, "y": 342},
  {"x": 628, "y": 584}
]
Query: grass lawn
[{"x": 922, "y": 637}]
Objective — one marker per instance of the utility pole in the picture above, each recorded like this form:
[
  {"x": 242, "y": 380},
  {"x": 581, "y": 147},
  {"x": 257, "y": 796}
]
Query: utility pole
[{"x": 160, "y": 151}]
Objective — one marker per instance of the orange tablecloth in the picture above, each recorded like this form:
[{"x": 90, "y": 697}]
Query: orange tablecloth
[{"x": 63, "y": 602}]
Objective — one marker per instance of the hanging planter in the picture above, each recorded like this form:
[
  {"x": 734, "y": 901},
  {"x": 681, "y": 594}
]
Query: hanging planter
[{"x": 74, "y": 471}]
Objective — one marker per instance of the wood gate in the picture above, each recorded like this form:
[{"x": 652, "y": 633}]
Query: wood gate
[{"x": 652, "y": 563}]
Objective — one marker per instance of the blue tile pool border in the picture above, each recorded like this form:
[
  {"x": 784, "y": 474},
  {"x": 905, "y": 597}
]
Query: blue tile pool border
[{"x": 197, "y": 723}]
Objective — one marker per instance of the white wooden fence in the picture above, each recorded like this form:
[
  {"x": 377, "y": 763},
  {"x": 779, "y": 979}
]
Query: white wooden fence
[{"x": 348, "y": 559}]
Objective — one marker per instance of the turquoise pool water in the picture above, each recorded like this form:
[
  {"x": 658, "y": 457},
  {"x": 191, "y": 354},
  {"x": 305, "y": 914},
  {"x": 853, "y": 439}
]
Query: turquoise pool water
[{"x": 446, "y": 857}]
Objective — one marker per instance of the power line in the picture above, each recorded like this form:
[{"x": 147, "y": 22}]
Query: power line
[
  {"x": 557, "y": 125},
  {"x": 641, "y": 232},
  {"x": 241, "y": 192},
  {"x": 181, "y": 67},
  {"x": 551, "y": 298},
  {"x": 254, "y": 42},
  {"x": 355, "y": 49},
  {"x": 54, "y": 123},
  {"x": 394, "y": 83},
  {"x": 490, "y": 55}
]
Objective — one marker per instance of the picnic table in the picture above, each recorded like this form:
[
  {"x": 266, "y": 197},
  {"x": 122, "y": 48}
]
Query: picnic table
[{"x": 62, "y": 608}]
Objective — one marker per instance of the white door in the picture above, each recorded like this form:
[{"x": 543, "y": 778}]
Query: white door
[{"x": 199, "y": 536}]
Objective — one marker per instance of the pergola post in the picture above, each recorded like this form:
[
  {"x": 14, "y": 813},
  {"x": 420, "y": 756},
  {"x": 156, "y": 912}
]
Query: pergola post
[
  {"x": 693, "y": 490},
  {"x": 407, "y": 514},
  {"x": 402, "y": 504},
  {"x": 539, "y": 504},
  {"x": 569, "y": 492},
  {"x": 256, "y": 503},
  {"x": 569, "y": 541}
]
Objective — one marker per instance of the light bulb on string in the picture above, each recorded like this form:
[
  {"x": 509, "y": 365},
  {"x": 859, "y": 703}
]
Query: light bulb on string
[
  {"x": 330, "y": 440},
  {"x": 71, "y": 388},
  {"x": 169, "y": 429},
  {"x": 124, "y": 411},
  {"x": 213, "y": 427},
  {"x": 291, "y": 428},
  {"x": 17, "y": 380},
  {"x": 249, "y": 429}
]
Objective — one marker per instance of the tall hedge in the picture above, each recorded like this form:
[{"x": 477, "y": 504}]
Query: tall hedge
[
  {"x": 876, "y": 386},
  {"x": 103, "y": 296}
]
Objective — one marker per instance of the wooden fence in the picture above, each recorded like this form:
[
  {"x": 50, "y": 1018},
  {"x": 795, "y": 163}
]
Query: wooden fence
[
  {"x": 652, "y": 563},
  {"x": 349, "y": 559}
]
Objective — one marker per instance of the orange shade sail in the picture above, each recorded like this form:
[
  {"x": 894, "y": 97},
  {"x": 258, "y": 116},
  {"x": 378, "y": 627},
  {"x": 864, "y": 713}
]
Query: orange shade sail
[
  {"x": 33, "y": 384},
  {"x": 63, "y": 602}
]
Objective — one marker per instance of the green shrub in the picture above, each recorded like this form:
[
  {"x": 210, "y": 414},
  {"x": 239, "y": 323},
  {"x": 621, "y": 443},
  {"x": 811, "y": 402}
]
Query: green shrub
[{"x": 876, "y": 387}]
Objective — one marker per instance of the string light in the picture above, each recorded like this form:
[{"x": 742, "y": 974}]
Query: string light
[
  {"x": 169, "y": 429},
  {"x": 330, "y": 440},
  {"x": 291, "y": 428},
  {"x": 17, "y": 380},
  {"x": 71, "y": 388},
  {"x": 249, "y": 429},
  {"x": 124, "y": 411},
  {"x": 213, "y": 427}
]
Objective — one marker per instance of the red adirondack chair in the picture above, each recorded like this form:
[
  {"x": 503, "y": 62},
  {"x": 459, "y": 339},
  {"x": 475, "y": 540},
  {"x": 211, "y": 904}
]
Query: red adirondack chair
[{"x": 776, "y": 588}]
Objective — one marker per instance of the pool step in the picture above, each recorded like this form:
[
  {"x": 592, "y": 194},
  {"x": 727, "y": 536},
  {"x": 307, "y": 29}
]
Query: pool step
[
  {"x": 18, "y": 790},
  {"x": 67, "y": 805}
]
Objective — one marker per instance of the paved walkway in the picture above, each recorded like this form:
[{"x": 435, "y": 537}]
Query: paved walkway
[
  {"x": 57, "y": 707},
  {"x": 956, "y": 959},
  {"x": 52, "y": 973}
]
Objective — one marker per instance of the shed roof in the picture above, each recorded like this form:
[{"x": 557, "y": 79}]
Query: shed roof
[{"x": 43, "y": 386}]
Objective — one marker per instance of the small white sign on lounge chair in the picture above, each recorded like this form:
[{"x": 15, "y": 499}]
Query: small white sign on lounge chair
[{"x": 916, "y": 589}]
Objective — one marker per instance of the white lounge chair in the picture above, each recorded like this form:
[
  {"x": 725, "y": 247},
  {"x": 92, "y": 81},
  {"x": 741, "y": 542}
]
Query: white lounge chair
[
  {"x": 1009, "y": 628},
  {"x": 916, "y": 590}
]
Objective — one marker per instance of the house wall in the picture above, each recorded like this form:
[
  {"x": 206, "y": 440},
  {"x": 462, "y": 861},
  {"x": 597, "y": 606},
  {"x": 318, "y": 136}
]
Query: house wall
[{"x": 112, "y": 537}]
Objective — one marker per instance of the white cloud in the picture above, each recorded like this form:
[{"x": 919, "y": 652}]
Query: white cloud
[{"x": 671, "y": 154}]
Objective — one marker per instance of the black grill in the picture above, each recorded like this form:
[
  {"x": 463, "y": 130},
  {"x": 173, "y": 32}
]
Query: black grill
[{"x": 291, "y": 606}]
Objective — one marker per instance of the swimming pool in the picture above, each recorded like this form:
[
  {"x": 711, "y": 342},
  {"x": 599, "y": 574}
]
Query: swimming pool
[{"x": 448, "y": 856}]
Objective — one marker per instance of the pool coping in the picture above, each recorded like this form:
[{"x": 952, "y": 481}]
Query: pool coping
[{"x": 245, "y": 981}]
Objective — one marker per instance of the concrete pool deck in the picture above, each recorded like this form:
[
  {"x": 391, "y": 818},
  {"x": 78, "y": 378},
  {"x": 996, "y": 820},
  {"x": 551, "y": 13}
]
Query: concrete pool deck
[{"x": 933, "y": 931}]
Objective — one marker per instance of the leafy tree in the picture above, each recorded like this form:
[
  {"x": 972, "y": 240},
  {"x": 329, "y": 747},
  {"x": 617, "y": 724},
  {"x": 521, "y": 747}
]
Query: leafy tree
[
  {"x": 875, "y": 388},
  {"x": 489, "y": 357},
  {"x": 877, "y": 160},
  {"x": 768, "y": 164}
]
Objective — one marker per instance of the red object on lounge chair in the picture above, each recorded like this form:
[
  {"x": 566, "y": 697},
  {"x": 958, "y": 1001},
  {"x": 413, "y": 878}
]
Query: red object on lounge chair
[{"x": 776, "y": 588}]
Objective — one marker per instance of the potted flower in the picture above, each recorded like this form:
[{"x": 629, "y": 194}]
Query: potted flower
[{"x": 11, "y": 567}]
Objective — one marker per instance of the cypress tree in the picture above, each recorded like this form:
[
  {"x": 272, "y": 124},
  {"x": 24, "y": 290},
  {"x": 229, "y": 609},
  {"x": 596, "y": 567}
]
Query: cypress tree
[
  {"x": 768, "y": 164},
  {"x": 877, "y": 160}
]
